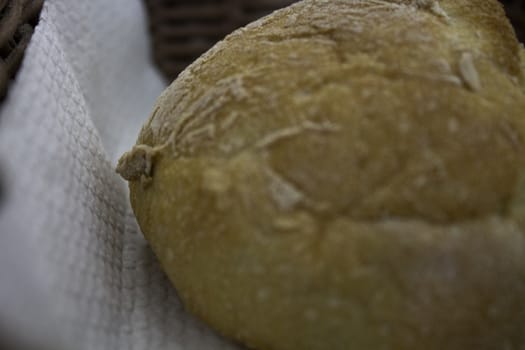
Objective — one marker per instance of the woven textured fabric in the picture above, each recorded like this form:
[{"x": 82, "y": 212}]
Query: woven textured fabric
[
  {"x": 184, "y": 29},
  {"x": 17, "y": 20},
  {"x": 75, "y": 273}
]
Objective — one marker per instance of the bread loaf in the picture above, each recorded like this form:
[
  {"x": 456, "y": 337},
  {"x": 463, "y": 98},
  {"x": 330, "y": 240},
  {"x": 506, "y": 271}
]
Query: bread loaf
[{"x": 346, "y": 175}]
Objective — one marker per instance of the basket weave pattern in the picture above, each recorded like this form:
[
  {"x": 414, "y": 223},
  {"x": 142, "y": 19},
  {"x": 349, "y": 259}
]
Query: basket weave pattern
[
  {"x": 17, "y": 21},
  {"x": 184, "y": 29}
]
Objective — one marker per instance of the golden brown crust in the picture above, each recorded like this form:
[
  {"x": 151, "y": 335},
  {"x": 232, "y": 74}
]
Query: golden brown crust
[
  {"x": 347, "y": 175},
  {"x": 522, "y": 55}
]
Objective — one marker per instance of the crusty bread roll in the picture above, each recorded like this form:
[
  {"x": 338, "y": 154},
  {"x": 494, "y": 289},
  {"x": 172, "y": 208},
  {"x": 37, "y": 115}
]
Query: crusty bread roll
[{"x": 348, "y": 175}]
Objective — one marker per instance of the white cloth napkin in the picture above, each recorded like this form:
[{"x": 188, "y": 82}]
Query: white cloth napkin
[{"x": 75, "y": 273}]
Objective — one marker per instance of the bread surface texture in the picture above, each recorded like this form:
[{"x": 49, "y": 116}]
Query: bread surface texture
[{"x": 346, "y": 175}]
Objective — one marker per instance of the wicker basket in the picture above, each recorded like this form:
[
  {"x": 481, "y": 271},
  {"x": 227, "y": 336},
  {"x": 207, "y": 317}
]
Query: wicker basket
[{"x": 184, "y": 29}]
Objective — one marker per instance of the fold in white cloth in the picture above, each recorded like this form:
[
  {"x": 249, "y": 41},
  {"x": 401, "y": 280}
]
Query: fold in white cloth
[{"x": 75, "y": 273}]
